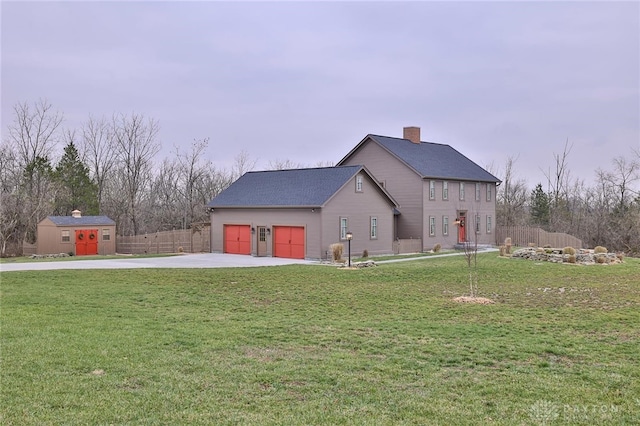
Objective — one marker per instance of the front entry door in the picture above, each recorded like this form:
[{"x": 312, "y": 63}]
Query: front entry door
[
  {"x": 262, "y": 241},
  {"x": 462, "y": 227}
]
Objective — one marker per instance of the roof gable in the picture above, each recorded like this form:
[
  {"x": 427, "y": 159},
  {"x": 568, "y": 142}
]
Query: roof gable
[
  {"x": 430, "y": 160},
  {"x": 81, "y": 221},
  {"x": 286, "y": 188}
]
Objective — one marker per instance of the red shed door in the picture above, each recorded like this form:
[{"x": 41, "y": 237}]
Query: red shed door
[
  {"x": 237, "y": 239},
  {"x": 288, "y": 242},
  {"x": 86, "y": 242}
]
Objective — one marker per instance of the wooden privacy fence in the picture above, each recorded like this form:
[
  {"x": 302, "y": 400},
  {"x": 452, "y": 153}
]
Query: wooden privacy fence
[
  {"x": 196, "y": 240},
  {"x": 524, "y": 235},
  {"x": 407, "y": 246}
]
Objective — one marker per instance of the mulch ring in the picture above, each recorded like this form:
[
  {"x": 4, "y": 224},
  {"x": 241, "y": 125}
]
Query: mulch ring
[{"x": 474, "y": 300}]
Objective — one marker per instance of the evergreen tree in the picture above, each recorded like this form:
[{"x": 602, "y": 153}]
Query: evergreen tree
[
  {"x": 540, "y": 208},
  {"x": 76, "y": 190}
]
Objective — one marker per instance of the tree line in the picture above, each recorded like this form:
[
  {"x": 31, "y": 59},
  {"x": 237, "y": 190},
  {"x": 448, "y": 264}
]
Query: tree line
[
  {"x": 605, "y": 213},
  {"x": 108, "y": 167}
]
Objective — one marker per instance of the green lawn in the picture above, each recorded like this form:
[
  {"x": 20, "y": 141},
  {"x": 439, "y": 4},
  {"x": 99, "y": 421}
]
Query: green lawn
[
  {"x": 27, "y": 259},
  {"x": 320, "y": 345}
]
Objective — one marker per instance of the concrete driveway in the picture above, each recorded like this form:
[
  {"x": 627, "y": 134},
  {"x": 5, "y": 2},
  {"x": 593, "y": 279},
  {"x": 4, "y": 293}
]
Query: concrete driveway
[{"x": 200, "y": 260}]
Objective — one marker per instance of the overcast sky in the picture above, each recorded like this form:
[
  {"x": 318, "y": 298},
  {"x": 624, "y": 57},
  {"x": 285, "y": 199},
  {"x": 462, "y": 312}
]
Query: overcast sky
[{"x": 306, "y": 81}]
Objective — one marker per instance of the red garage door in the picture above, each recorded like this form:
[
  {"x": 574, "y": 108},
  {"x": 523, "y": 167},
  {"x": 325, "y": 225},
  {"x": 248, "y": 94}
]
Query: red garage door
[
  {"x": 288, "y": 242},
  {"x": 237, "y": 239}
]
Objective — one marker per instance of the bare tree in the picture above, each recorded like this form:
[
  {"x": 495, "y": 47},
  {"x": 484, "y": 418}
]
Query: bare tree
[
  {"x": 558, "y": 183},
  {"x": 35, "y": 134},
  {"x": 99, "y": 152},
  {"x": 11, "y": 203},
  {"x": 283, "y": 165},
  {"x": 512, "y": 197},
  {"x": 242, "y": 163},
  {"x": 35, "y": 130},
  {"x": 136, "y": 146}
]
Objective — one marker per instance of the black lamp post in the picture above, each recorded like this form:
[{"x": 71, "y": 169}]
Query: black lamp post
[{"x": 349, "y": 238}]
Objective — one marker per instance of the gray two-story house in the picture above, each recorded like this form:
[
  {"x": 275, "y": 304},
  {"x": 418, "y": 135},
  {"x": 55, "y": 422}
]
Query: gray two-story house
[
  {"x": 443, "y": 196},
  {"x": 383, "y": 190}
]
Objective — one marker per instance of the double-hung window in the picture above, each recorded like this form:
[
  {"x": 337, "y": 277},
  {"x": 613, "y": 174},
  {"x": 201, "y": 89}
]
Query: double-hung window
[
  {"x": 432, "y": 226},
  {"x": 445, "y": 190},
  {"x": 477, "y": 224},
  {"x": 66, "y": 236},
  {"x": 461, "y": 190},
  {"x": 432, "y": 190},
  {"x": 477, "y": 191},
  {"x": 359, "y": 183},
  {"x": 488, "y": 191},
  {"x": 373, "y": 232},
  {"x": 445, "y": 225},
  {"x": 344, "y": 226},
  {"x": 488, "y": 224}
]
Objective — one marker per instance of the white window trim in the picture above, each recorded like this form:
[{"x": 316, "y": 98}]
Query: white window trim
[
  {"x": 359, "y": 183},
  {"x": 461, "y": 191},
  {"x": 432, "y": 189},
  {"x": 343, "y": 230},
  {"x": 477, "y": 223},
  {"x": 68, "y": 235},
  {"x": 445, "y": 190},
  {"x": 478, "y": 192},
  {"x": 489, "y": 192},
  {"x": 373, "y": 228},
  {"x": 432, "y": 226},
  {"x": 489, "y": 224},
  {"x": 445, "y": 225}
]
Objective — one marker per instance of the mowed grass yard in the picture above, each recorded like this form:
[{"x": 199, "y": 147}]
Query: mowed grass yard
[{"x": 318, "y": 345}]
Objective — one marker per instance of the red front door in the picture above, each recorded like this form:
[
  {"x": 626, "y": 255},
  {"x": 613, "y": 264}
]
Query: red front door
[
  {"x": 86, "y": 242},
  {"x": 462, "y": 227}
]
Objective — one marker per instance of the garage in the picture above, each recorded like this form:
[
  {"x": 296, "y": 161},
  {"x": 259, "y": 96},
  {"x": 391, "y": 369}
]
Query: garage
[
  {"x": 237, "y": 239},
  {"x": 288, "y": 241}
]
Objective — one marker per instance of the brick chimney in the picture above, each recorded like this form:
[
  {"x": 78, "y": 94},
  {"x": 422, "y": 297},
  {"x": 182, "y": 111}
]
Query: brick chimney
[
  {"x": 76, "y": 213},
  {"x": 412, "y": 133}
]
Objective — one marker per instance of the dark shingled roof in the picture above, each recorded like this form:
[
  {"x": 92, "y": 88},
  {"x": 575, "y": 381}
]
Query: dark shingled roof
[
  {"x": 434, "y": 160},
  {"x": 81, "y": 221},
  {"x": 285, "y": 188}
]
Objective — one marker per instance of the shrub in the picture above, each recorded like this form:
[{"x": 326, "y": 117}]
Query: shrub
[
  {"x": 365, "y": 254},
  {"x": 436, "y": 248},
  {"x": 336, "y": 250},
  {"x": 620, "y": 256},
  {"x": 569, "y": 250},
  {"x": 503, "y": 250},
  {"x": 180, "y": 249},
  {"x": 572, "y": 258},
  {"x": 600, "y": 249},
  {"x": 601, "y": 259}
]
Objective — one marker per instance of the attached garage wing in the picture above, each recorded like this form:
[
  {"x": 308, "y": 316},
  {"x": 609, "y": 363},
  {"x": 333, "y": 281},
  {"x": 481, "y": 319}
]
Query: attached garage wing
[
  {"x": 288, "y": 242},
  {"x": 237, "y": 239}
]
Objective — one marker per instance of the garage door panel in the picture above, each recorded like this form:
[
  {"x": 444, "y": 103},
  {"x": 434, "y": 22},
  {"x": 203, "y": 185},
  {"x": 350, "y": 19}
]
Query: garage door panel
[
  {"x": 237, "y": 239},
  {"x": 289, "y": 242}
]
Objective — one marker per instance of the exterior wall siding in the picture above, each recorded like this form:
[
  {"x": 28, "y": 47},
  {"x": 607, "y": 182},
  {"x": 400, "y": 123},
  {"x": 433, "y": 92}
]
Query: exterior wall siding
[
  {"x": 49, "y": 238},
  {"x": 439, "y": 207},
  {"x": 359, "y": 208},
  {"x": 404, "y": 185}
]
